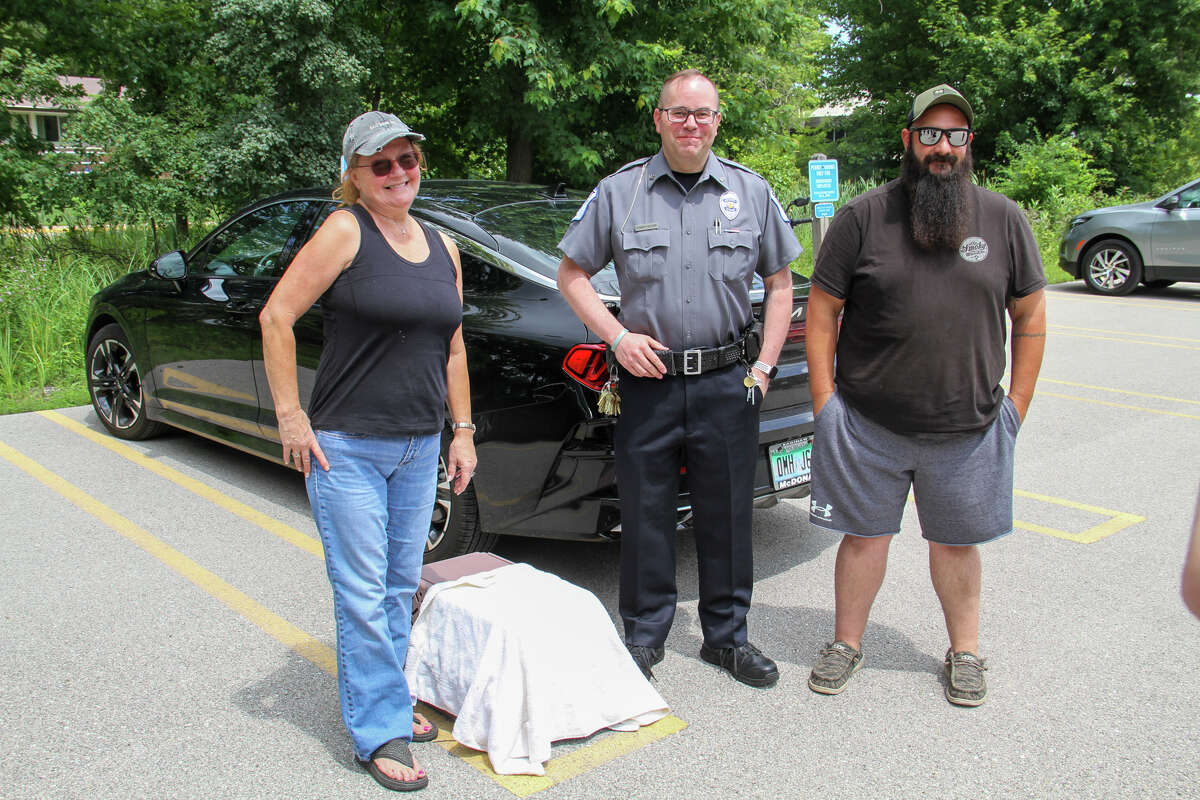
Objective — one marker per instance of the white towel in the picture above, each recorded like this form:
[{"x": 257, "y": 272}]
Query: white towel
[{"x": 524, "y": 658}]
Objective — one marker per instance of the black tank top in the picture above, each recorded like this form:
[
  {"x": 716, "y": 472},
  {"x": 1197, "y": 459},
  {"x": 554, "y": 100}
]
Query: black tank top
[{"x": 388, "y": 324}]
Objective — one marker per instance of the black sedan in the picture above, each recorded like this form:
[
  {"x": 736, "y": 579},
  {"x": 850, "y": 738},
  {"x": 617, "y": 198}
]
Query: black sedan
[{"x": 178, "y": 344}]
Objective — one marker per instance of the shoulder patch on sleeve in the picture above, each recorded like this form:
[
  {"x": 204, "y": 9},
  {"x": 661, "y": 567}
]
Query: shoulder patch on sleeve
[{"x": 583, "y": 208}]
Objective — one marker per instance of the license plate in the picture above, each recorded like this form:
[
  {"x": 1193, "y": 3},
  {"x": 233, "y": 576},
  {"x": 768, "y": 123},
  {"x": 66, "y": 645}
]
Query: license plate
[{"x": 791, "y": 462}]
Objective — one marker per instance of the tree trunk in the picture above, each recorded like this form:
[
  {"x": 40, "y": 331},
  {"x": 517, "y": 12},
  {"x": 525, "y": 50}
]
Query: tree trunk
[
  {"x": 181, "y": 227},
  {"x": 520, "y": 156}
]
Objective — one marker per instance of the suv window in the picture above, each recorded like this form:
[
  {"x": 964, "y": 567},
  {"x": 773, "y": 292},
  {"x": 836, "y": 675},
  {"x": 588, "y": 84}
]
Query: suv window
[{"x": 1190, "y": 197}]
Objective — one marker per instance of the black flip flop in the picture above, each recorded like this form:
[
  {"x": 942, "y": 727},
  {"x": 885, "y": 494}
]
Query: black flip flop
[
  {"x": 427, "y": 736},
  {"x": 396, "y": 750}
]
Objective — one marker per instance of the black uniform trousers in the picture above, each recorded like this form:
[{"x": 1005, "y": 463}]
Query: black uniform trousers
[{"x": 702, "y": 421}]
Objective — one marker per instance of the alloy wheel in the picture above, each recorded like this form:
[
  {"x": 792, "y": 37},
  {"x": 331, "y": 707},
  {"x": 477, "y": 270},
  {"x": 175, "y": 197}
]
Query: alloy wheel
[
  {"x": 1109, "y": 268},
  {"x": 116, "y": 384},
  {"x": 441, "y": 508}
]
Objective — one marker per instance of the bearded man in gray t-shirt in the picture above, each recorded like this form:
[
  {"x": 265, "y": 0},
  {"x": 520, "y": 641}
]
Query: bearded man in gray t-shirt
[{"x": 924, "y": 272}]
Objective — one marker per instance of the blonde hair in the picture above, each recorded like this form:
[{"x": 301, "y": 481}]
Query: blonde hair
[{"x": 347, "y": 193}]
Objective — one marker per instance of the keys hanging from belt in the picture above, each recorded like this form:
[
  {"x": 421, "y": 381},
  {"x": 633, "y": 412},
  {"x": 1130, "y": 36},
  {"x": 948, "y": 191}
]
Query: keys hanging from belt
[
  {"x": 610, "y": 400},
  {"x": 749, "y": 383}
]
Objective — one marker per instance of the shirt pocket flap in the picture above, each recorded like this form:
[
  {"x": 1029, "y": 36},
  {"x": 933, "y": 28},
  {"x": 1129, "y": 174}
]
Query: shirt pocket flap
[
  {"x": 731, "y": 239},
  {"x": 645, "y": 240}
]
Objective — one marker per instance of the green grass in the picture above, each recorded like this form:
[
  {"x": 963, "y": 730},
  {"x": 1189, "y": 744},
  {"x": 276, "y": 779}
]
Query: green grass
[{"x": 46, "y": 281}]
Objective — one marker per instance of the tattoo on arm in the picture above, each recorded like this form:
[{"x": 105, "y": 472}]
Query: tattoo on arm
[{"x": 1030, "y": 335}]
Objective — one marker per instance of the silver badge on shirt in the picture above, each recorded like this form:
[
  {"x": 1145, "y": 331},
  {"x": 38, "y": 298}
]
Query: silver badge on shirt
[{"x": 730, "y": 205}]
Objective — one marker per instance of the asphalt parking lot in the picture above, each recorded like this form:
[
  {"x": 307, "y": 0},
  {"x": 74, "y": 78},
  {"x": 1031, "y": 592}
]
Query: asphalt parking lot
[{"x": 167, "y": 624}]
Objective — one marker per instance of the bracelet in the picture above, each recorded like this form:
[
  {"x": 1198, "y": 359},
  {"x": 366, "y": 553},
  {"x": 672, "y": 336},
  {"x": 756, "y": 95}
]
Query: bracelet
[
  {"x": 458, "y": 425},
  {"x": 620, "y": 336}
]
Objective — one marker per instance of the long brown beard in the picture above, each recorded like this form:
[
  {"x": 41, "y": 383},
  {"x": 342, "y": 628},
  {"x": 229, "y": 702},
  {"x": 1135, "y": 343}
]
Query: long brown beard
[{"x": 939, "y": 215}]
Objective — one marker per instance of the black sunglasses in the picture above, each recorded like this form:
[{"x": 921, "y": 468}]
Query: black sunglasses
[
  {"x": 931, "y": 136},
  {"x": 382, "y": 167}
]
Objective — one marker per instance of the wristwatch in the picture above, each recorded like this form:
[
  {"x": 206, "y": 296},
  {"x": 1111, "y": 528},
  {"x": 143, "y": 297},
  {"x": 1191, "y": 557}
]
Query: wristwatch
[
  {"x": 458, "y": 425},
  {"x": 771, "y": 371}
]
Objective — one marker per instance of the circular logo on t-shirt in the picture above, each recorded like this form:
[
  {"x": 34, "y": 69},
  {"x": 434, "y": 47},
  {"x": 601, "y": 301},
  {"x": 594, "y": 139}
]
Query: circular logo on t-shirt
[{"x": 973, "y": 249}]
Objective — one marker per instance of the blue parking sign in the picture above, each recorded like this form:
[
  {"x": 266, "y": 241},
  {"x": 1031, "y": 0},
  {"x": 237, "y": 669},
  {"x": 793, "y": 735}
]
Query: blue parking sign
[
  {"x": 823, "y": 181},
  {"x": 822, "y": 210}
]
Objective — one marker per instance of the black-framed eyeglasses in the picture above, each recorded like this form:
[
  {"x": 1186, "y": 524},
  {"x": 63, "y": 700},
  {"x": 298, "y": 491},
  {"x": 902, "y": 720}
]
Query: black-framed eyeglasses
[
  {"x": 382, "y": 167},
  {"x": 680, "y": 114},
  {"x": 931, "y": 136}
]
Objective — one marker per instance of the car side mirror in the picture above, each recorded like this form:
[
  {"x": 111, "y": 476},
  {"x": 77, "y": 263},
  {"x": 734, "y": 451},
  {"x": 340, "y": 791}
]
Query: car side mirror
[
  {"x": 1170, "y": 203},
  {"x": 169, "y": 266}
]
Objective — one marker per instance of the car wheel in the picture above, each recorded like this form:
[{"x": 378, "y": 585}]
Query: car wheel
[
  {"x": 1159, "y": 284},
  {"x": 1112, "y": 267},
  {"x": 115, "y": 384},
  {"x": 454, "y": 529}
]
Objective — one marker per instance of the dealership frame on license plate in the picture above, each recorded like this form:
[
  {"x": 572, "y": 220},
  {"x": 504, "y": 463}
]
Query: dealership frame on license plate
[{"x": 791, "y": 462}]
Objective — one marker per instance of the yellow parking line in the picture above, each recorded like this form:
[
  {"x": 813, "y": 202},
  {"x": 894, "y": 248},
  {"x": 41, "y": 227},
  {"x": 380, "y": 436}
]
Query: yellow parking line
[
  {"x": 1118, "y": 405},
  {"x": 267, "y": 523},
  {"x": 608, "y": 747},
  {"x": 1117, "y": 520},
  {"x": 559, "y": 769},
  {"x": 1120, "y": 391},
  {"x": 1124, "y": 333},
  {"x": 271, "y": 623},
  {"x": 1126, "y": 341},
  {"x": 1166, "y": 303}
]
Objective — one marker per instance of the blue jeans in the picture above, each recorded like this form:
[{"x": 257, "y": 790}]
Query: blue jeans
[{"x": 373, "y": 508}]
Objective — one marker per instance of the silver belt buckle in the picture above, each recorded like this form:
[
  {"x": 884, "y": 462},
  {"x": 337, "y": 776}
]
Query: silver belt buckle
[{"x": 691, "y": 361}]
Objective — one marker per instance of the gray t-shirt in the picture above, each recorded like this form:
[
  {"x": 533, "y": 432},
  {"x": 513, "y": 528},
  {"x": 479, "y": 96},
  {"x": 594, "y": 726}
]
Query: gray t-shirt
[
  {"x": 684, "y": 260},
  {"x": 921, "y": 345}
]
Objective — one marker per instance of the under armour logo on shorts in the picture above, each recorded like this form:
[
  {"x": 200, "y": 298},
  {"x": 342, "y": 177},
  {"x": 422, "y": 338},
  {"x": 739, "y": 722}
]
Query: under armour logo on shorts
[{"x": 824, "y": 512}]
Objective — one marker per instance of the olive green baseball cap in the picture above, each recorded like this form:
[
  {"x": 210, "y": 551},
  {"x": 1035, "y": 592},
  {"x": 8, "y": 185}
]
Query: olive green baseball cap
[{"x": 943, "y": 93}]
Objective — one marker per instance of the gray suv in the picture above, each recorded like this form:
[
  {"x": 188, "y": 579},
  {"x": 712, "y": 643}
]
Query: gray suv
[{"x": 1156, "y": 243}]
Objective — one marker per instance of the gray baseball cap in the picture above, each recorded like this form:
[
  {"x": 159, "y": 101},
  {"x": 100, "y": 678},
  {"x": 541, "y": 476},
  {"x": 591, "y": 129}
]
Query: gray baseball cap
[
  {"x": 945, "y": 93},
  {"x": 370, "y": 132}
]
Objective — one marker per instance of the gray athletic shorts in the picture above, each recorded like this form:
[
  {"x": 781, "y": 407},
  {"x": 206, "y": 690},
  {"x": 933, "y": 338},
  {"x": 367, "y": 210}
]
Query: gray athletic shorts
[{"x": 962, "y": 482}]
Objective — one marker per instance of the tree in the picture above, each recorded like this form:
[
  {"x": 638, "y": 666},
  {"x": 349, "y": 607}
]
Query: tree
[
  {"x": 22, "y": 166},
  {"x": 1115, "y": 76},
  {"x": 568, "y": 87}
]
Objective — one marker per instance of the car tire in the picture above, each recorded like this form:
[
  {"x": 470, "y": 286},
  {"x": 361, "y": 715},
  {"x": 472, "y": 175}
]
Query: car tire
[
  {"x": 1112, "y": 267},
  {"x": 454, "y": 529},
  {"x": 115, "y": 385},
  {"x": 1159, "y": 284}
]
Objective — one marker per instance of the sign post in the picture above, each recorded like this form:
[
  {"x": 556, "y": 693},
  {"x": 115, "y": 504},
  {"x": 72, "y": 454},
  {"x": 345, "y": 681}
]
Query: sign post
[{"x": 823, "y": 191}]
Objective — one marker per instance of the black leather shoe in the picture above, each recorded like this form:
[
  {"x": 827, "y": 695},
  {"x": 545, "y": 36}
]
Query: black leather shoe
[
  {"x": 745, "y": 663},
  {"x": 645, "y": 657}
]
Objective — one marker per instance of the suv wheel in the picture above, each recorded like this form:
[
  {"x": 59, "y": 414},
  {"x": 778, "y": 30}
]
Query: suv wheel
[
  {"x": 1112, "y": 267},
  {"x": 115, "y": 385}
]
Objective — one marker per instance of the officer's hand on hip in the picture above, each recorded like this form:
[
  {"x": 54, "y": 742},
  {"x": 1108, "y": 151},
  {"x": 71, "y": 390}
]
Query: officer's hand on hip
[
  {"x": 635, "y": 352},
  {"x": 762, "y": 379}
]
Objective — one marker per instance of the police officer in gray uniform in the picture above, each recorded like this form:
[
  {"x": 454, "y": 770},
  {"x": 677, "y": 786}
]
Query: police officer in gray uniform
[{"x": 686, "y": 231}]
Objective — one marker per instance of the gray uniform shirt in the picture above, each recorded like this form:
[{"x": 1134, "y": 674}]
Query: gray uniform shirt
[{"x": 685, "y": 261}]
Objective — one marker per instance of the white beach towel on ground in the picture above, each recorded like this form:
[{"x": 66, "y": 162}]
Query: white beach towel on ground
[{"x": 524, "y": 658}]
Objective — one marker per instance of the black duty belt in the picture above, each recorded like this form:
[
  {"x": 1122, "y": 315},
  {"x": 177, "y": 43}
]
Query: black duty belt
[{"x": 701, "y": 359}]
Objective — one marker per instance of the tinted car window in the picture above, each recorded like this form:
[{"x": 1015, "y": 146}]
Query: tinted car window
[
  {"x": 255, "y": 245},
  {"x": 480, "y": 276},
  {"x": 534, "y": 230},
  {"x": 1190, "y": 197}
]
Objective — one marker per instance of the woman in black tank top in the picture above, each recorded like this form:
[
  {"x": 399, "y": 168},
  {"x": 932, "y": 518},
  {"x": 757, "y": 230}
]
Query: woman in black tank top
[{"x": 391, "y": 300}]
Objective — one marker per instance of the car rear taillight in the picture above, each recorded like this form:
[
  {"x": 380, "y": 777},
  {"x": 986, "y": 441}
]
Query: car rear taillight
[
  {"x": 588, "y": 364},
  {"x": 795, "y": 334}
]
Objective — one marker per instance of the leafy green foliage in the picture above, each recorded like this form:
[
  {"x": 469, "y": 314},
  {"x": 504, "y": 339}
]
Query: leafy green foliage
[
  {"x": 1043, "y": 171},
  {"x": 569, "y": 87},
  {"x": 1115, "y": 75}
]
